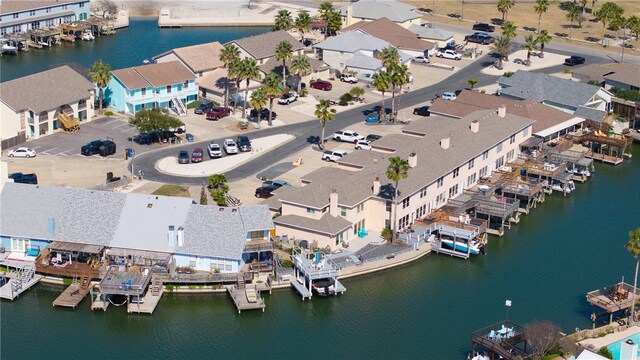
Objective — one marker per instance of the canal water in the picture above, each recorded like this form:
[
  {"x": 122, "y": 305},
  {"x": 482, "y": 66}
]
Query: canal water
[
  {"x": 427, "y": 309},
  {"x": 128, "y": 47},
  {"x": 545, "y": 265}
]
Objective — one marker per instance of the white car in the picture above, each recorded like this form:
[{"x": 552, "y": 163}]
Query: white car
[
  {"x": 22, "y": 152},
  {"x": 349, "y": 78},
  {"x": 214, "y": 150},
  {"x": 347, "y": 136},
  {"x": 363, "y": 145},
  {"x": 449, "y": 54},
  {"x": 288, "y": 98},
  {"x": 421, "y": 59},
  {"x": 230, "y": 146},
  {"x": 333, "y": 155},
  {"x": 449, "y": 96},
  {"x": 180, "y": 129}
]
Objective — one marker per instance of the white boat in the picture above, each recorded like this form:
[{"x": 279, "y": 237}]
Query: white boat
[
  {"x": 462, "y": 246},
  {"x": 6, "y": 48},
  {"x": 567, "y": 187},
  {"x": 87, "y": 36},
  {"x": 42, "y": 43}
]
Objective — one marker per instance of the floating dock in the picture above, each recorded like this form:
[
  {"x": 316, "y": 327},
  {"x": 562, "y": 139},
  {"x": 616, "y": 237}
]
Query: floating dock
[
  {"x": 148, "y": 305},
  {"x": 71, "y": 296},
  {"x": 247, "y": 298},
  {"x": 17, "y": 286}
]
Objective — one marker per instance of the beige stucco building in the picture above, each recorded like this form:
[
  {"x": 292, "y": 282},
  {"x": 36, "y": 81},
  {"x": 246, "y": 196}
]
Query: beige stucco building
[
  {"x": 446, "y": 156},
  {"x": 370, "y": 10}
]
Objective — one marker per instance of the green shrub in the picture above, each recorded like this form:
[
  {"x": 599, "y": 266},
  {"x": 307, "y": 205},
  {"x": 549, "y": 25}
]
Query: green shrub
[
  {"x": 192, "y": 287},
  {"x": 193, "y": 105},
  {"x": 604, "y": 351},
  {"x": 344, "y": 99},
  {"x": 169, "y": 287},
  {"x": 387, "y": 234},
  {"x": 216, "y": 286},
  {"x": 287, "y": 264},
  {"x": 631, "y": 95},
  {"x": 602, "y": 334},
  {"x": 67, "y": 281},
  {"x": 108, "y": 113},
  {"x": 508, "y": 74}
]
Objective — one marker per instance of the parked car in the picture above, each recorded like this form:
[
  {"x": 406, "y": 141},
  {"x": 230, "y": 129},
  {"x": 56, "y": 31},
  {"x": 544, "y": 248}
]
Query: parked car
[
  {"x": 421, "y": 59},
  {"x": 203, "y": 107},
  {"x": 230, "y": 146},
  {"x": 484, "y": 27},
  {"x": 265, "y": 191},
  {"x": 422, "y": 110},
  {"x": 277, "y": 183},
  {"x": 214, "y": 151},
  {"x": 196, "y": 155},
  {"x": 189, "y": 138},
  {"x": 264, "y": 114},
  {"x": 21, "y": 178},
  {"x": 218, "y": 113},
  {"x": 22, "y": 152},
  {"x": 449, "y": 95},
  {"x": 243, "y": 143},
  {"x": 479, "y": 38},
  {"x": 322, "y": 85},
  {"x": 148, "y": 138},
  {"x": 373, "y": 137},
  {"x": 91, "y": 148},
  {"x": 288, "y": 98},
  {"x": 107, "y": 148},
  {"x": 347, "y": 136},
  {"x": 183, "y": 157},
  {"x": 574, "y": 60},
  {"x": 348, "y": 78},
  {"x": 333, "y": 155},
  {"x": 449, "y": 54},
  {"x": 363, "y": 145},
  {"x": 180, "y": 129}
]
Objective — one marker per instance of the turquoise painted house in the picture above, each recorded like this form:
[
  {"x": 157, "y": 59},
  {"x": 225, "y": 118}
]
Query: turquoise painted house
[{"x": 167, "y": 85}]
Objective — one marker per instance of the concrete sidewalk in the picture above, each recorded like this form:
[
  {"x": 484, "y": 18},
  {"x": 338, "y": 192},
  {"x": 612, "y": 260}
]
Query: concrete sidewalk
[{"x": 537, "y": 63}]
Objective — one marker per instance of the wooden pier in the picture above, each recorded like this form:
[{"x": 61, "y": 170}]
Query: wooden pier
[
  {"x": 73, "y": 295},
  {"x": 611, "y": 299},
  {"x": 247, "y": 298},
  {"x": 150, "y": 300},
  {"x": 505, "y": 339},
  {"x": 16, "y": 286}
]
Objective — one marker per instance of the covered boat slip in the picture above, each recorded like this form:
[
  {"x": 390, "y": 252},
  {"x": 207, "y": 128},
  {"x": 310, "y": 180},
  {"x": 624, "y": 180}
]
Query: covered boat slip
[
  {"x": 498, "y": 211},
  {"x": 528, "y": 193},
  {"x": 307, "y": 271},
  {"x": 611, "y": 299},
  {"x": 608, "y": 148},
  {"x": 577, "y": 163},
  {"x": 128, "y": 283}
]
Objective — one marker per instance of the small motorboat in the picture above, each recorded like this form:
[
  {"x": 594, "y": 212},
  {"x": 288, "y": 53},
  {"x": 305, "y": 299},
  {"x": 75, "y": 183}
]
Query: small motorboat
[
  {"x": 87, "y": 36},
  {"x": 145, "y": 61},
  {"x": 8, "y": 49},
  {"x": 323, "y": 287},
  {"x": 463, "y": 246}
]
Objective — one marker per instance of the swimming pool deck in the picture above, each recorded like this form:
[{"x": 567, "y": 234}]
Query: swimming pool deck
[{"x": 610, "y": 338}]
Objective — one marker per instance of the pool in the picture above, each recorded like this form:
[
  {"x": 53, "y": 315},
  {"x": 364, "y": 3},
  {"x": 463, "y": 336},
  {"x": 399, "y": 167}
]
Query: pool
[{"x": 615, "y": 347}]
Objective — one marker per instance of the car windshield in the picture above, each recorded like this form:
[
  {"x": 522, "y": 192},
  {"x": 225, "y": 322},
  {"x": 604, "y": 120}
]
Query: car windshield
[
  {"x": 184, "y": 153},
  {"x": 197, "y": 153}
]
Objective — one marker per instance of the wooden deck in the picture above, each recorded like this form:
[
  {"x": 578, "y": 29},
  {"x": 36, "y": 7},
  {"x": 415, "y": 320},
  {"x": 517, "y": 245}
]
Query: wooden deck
[
  {"x": 246, "y": 299},
  {"x": 613, "y": 298},
  {"x": 10, "y": 292},
  {"x": 149, "y": 304},
  {"x": 71, "y": 296}
]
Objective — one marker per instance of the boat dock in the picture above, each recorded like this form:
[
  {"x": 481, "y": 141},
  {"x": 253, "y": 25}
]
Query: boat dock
[
  {"x": 611, "y": 299},
  {"x": 18, "y": 283},
  {"x": 100, "y": 302},
  {"x": 246, "y": 297},
  {"x": 308, "y": 274},
  {"x": 150, "y": 300},
  {"x": 505, "y": 339},
  {"x": 73, "y": 295}
]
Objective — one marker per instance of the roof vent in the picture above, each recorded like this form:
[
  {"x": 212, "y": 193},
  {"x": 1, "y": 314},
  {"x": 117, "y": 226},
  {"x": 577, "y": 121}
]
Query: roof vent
[
  {"x": 502, "y": 111},
  {"x": 149, "y": 205},
  {"x": 221, "y": 209},
  {"x": 475, "y": 126},
  {"x": 444, "y": 143}
]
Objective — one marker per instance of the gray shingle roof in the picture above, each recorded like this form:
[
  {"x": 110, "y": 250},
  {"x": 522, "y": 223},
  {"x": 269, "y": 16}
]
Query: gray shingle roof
[
  {"x": 264, "y": 45},
  {"x": 590, "y": 114},
  {"x": 130, "y": 221},
  {"x": 351, "y": 42},
  {"x": 425, "y": 32},
  {"x": 46, "y": 90},
  {"x": 376, "y": 9},
  {"x": 362, "y": 61},
  {"x": 327, "y": 224},
  {"x": 542, "y": 87}
]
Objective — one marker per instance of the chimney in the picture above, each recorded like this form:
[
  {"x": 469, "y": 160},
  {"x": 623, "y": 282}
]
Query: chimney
[
  {"x": 171, "y": 236},
  {"x": 376, "y": 186},
  {"x": 502, "y": 111},
  {"x": 413, "y": 159},
  {"x": 333, "y": 203},
  {"x": 629, "y": 350},
  {"x": 349, "y": 17},
  {"x": 444, "y": 143},
  {"x": 475, "y": 126},
  {"x": 180, "y": 236}
]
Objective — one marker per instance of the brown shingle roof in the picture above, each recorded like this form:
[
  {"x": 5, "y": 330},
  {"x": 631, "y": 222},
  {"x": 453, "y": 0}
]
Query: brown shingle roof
[
  {"x": 198, "y": 58},
  {"x": 217, "y": 79},
  {"x": 264, "y": 45},
  {"x": 45, "y": 90},
  {"x": 471, "y": 101},
  {"x": 392, "y": 33},
  {"x": 327, "y": 224},
  {"x": 274, "y": 65},
  {"x": 624, "y": 73},
  {"x": 155, "y": 75}
]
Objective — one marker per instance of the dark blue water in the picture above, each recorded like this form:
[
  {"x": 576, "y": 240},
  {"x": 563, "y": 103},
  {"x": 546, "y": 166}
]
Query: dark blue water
[{"x": 128, "y": 47}]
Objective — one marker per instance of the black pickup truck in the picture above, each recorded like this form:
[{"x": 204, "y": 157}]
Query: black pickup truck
[{"x": 24, "y": 178}]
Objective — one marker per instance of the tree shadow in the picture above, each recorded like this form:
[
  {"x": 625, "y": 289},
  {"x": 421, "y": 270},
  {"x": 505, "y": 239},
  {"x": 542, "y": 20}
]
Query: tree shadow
[
  {"x": 592, "y": 39},
  {"x": 529, "y": 28},
  {"x": 497, "y": 21}
]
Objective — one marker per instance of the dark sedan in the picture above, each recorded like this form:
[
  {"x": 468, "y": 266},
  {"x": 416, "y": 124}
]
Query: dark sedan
[
  {"x": 265, "y": 191},
  {"x": 264, "y": 114},
  {"x": 183, "y": 157},
  {"x": 574, "y": 60},
  {"x": 484, "y": 27},
  {"x": 422, "y": 111}
]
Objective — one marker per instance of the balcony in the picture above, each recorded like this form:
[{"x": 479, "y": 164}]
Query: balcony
[{"x": 46, "y": 264}]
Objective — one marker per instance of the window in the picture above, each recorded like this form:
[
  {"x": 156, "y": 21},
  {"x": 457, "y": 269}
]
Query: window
[
  {"x": 360, "y": 207},
  {"x": 471, "y": 180},
  {"x": 81, "y": 4},
  {"x": 440, "y": 199},
  {"x": 485, "y": 155},
  {"x": 168, "y": 89},
  {"x": 388, "y": 206},
  {"x": 510, "y": 155},
  {"x": 213, "y": 266},
  {"x": 340, "y": 238},
  {"x": 423, "y": 192},
  {"x": 227, "y": 267},
  {"x": 358, "y": 226},
  {"x": 456, "y": 172},
  {"x": 525, "y": 132},
  {"x": 483, "y": 172},
  {"x": 48, "y": 10},
  {"x": 19, "y": 244},
  {"x": 15, "y": 16},
  {"x": 192, "y": 262},
  {"x": 453, "y": 191},
  {"x": 404, "y": 222},
  {"x": 512, "y": 139},
  {"x": 256, "y": 235},
  {"x": 421, "y": 211},
  {"x": 343, "y": 210},
  {"x": 472, "y": 163},
  {"x": 405, "y": 202},
  {"x": 143, "y": 91},
  {"x": 186, "y": 84},
  {"x": 3, "y": 31},
  {"x": 64, "y": 7},
  {"x": 32, "y": 12},
  {"x": 440, "y": 181},
  {"x": 35, "y": 25},
  {"x": 499, "y": 148},
  {"x": 500, "y": 162},
  {"x": 311, "y": 211}
]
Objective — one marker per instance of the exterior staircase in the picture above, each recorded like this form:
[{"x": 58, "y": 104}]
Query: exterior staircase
[
  {"x": 241, "y": 283},
  {"x": 156, "y": 286},
  {"x": 180, "y": 107},
  {"x": 85, "y": 281}
]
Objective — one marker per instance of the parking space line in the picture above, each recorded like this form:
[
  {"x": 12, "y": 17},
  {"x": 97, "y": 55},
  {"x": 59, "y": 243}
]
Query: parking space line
[{"x": 112, "y": 121}]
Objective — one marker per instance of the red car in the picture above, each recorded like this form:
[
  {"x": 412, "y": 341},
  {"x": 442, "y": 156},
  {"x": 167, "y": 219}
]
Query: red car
[
  {"x": 322, "y": 85},
  {"x": 218, "y": 113},
  {"x": 196, "y": 155}
]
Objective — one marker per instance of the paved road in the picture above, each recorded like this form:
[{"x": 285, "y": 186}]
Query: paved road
[{"x": 306, "y": 132}]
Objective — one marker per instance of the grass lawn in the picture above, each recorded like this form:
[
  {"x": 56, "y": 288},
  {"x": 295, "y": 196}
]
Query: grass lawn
[
  {"x": 523, "y": 15},
  {"x": 172, "y": 190}
]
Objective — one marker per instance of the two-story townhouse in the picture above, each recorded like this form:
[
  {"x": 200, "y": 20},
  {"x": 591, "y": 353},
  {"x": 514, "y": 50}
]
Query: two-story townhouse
[
  {"x": 18, "y": 16},
  {"x": 29, "y": 105},
  {"x": 131, "y": 228},
  {"x": 445, "y": 157},
  {"x": 169, "y": 85},
  {"x": 371, "y": 10}
]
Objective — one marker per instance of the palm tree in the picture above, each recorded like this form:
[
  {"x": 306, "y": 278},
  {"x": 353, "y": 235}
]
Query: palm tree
[
  {"x": 284, "y": 52},
  {"x": 530, "y": 44},
  {"x": 399, "y": 78},
  {"x": 397, "y": 170},
  {"x": 606, "y": 14},
  {"x": 573, "y": 14},
  {"x": 390, "y": 60},
  {"x": 504, "y": 6},
  {"x": 100, "y": 74},
  {"x": 283, "y": 21},
  {"x": 634, "y": 25},
  {"x": 584, "y": 6},
  {"x": 502, "y": 46},
  {"x": 326, "y": 8},
  {"x": 509, "y": 29},
  {"x": 540, "y": 8},
  {"x": 234, "y": 72},
  {"x": 303, "y": 23},
  {"x": 271, "y": 91},
  {"x": 382, "y": 83},
  {"x": 472, "y": 82},
  {"x": 542, "y": 39},
  {"x": 250, "y": 71},
  {"x": 300, "y": 65},
  {"x": 633, "y": 246},
  {"x": 334, "y": 22},
  {"x": 258, "y": 99},
  {"x": 228, "y": 54},
  {"x": 324, "y": 113}
]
